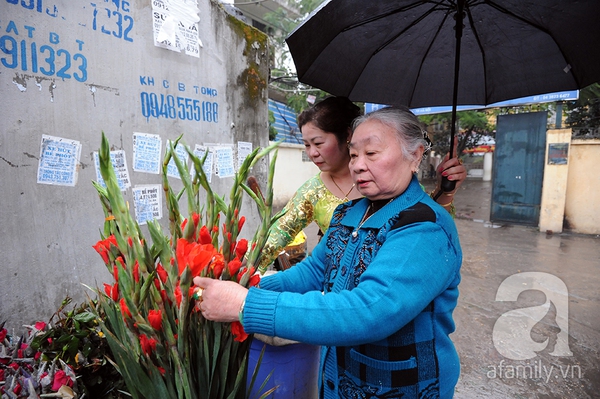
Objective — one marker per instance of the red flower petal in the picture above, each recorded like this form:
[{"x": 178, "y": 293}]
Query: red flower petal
[
  {"x": 61, "y": 378},
  {"x": 162, "y": 273},
  {"x": 178, "y": 295},
  {"x": 234, "y": 266},
  {"x": 238, "y": 331},
  {"x": 102, "y": 250},
  {"x": 148, "y": 344},
  {"x": 124, "y": 309},
  {"x": 205, "y": 237},
  {"x": 241, "y": 248},
  {"x": 155, "y": 319},
  {"x": 136, "y": 272}
]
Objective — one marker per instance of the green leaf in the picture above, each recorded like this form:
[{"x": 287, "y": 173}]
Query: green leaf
[{"x": 85, "y": 317}]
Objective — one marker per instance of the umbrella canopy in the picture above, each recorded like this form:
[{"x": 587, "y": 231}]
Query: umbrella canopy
[{"x": 405, "y": 51}]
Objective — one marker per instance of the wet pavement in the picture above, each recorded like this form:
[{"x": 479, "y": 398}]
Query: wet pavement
[{"x": 555, "y": 351}]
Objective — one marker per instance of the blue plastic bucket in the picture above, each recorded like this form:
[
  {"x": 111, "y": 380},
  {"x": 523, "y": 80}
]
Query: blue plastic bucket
[{"x": 295, "y": 370}]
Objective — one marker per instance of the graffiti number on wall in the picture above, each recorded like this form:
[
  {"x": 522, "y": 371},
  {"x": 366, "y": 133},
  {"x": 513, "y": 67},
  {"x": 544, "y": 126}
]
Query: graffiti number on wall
[
  {"x": 184, "y": 108},
  {"x": 49, "y": 60},
  {"x": 30, "y": 5},
  {"x": 113, "y": 22}
]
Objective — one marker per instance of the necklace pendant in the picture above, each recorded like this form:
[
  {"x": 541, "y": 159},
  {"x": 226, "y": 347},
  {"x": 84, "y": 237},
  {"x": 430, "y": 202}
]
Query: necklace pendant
[{"x": 355, "y": 234}]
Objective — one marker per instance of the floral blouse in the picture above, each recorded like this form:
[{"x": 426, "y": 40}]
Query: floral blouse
[{"x": 312, "y": 202}]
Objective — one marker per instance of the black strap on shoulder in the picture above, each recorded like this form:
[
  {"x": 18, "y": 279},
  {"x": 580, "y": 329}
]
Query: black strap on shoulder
[{"x": 415, "y": 214}]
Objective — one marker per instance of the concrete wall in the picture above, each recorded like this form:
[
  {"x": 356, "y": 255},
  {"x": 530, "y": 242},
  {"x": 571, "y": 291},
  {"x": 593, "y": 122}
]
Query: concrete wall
[
  {"x": 554, "y": 186},
  {"x": 71, "y": 69},
  {"x": 582, "y": 207},
  {"x": 292, "y": 169}
]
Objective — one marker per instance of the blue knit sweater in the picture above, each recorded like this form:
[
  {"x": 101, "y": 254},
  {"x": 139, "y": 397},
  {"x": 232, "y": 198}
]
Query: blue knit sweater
[{"x": 379, "y": 301}]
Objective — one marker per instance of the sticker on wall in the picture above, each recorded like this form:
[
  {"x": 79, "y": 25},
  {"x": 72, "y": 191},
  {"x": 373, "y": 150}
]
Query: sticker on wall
[
  {"x": 243, "y": 150},
  {"x": 59, "y": 161},
  {"x": 119, "y": 163},
  {"x": 175, "y": 25},
  {"x": 558, "y": 153},
  {"x": 147, "y": 202},
  {"x": 224, "y": 162},
  {"x": 207, "y": 166},
  {"x": 146, "y": 153},
  {"x": 183, "y": 157}
]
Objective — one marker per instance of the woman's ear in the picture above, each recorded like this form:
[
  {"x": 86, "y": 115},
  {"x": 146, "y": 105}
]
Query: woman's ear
[{"x": 418, "y": 157}]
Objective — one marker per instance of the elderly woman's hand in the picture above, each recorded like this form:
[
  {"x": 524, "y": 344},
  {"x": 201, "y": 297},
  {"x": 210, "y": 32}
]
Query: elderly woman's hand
[
  {"x": 453, "y": 169},
  {"x": 220, "y": 300}
]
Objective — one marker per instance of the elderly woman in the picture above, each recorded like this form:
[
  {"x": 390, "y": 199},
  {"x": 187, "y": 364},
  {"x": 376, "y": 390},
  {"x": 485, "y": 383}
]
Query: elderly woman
[{"x": 379, "y": 290}]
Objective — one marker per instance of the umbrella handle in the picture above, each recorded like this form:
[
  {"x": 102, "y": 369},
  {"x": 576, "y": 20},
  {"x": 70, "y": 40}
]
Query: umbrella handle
[{"x": 447, "y": 185}]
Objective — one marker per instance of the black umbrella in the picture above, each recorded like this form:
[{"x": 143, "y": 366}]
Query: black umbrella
[{"x": 422, "y": 53}]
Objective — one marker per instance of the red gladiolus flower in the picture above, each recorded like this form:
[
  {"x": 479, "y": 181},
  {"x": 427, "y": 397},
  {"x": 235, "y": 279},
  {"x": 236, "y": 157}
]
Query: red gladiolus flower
[
  {"x": 130, "y": 241},
  {"x": 205, "y": 237},
  {"x": 241, "y": 223},
  {"x": 40, "y": 325},
  {"x": 103, "y": 247},
  {"x": 178, "y": 295},
  {"x": 136, "y": 272},
  {"x": 241, "y": 248},
  {"x": 193, "y": 255},
  {"x": 14, "y": 366},
  {"x": 99, "y": 247},
  {"x": 196, "y": 220},
  {"x": 238, "y": 331},
  {"x": 124, "y": 309},
  {"x": 234, "y": 266},
  {"x": 162, "y": 273},
  {"x": 37, "y": 355},
  {"x": 112, "y": 291},
  {"x": 155, "y": 319},
  {"x": 217, "y": 265},
  {"x": 162, "y": 371},
  {"x": 148, "y": 344},
  {"x": 254, "y": 280},
  {"x": 3, "y": 333}
]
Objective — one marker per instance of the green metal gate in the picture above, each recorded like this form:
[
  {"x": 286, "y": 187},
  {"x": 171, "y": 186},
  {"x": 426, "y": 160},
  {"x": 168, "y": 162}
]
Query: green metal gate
[{"x": 518, "y": 168}]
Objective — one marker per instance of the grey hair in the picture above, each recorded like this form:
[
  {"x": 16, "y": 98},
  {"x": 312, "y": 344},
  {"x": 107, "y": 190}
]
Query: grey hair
[{"x": 408, "y": 128}]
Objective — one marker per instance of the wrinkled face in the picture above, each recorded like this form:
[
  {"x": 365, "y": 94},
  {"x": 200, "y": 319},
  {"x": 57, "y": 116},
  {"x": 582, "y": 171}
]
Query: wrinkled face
[
  {"x": 324, "y": 149},
  {"x": 377, "y": 163}
]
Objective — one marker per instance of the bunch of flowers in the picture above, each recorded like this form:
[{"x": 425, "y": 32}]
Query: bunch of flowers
[
  {"x": 161, "y": 344},
  {"x": 72, "y": 337},
  {"x": 57, "y": 360}
]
